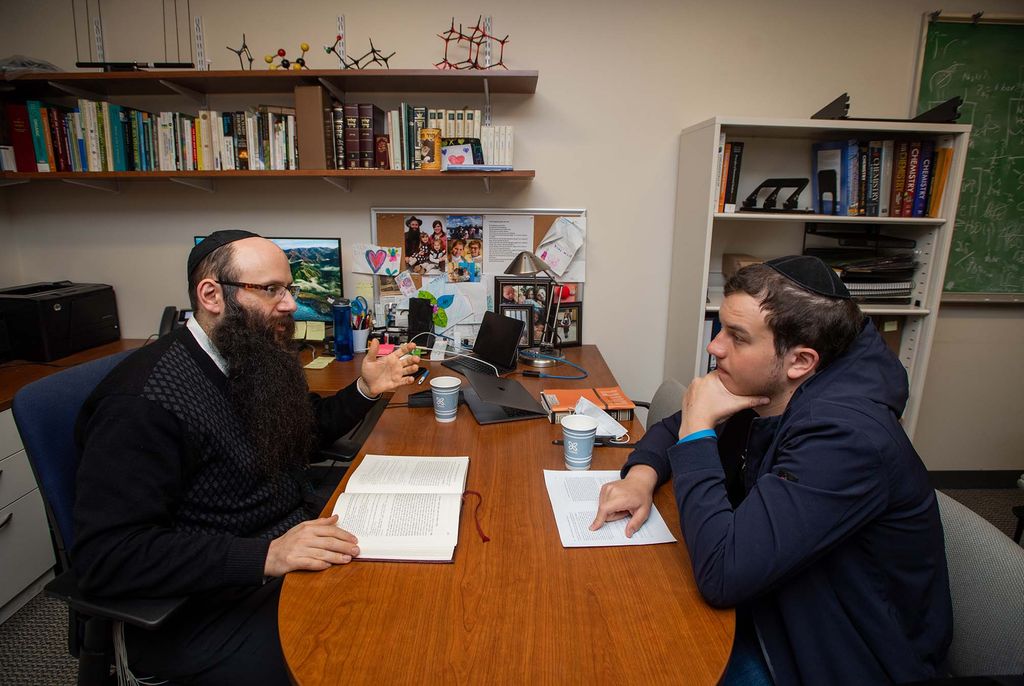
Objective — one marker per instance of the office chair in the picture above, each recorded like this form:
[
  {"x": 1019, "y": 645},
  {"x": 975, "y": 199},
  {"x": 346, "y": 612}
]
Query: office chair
[
  {"x": 667, "y": 400},
  {"x": 45, "y": 412},
  {"x": 986, "y": 584}
]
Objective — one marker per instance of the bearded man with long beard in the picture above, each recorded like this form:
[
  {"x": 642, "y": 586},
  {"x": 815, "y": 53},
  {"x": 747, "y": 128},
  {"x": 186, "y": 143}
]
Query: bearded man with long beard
[{"x": 192, "y": 479}]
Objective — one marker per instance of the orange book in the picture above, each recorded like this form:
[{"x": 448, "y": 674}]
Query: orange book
[
  {"x": 560, "y": 402},
  {"x": 725, "y": 176}
]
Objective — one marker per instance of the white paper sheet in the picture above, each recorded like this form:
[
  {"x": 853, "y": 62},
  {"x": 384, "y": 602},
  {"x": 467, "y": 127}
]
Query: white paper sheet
[
  {"x": 507, "y": 235},
  {"x": 564, "y": 248},
  {"x": 574, "y": 497}
]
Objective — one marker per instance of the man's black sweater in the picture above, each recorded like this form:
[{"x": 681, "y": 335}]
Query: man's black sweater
[{"x": 169, "y": 499}]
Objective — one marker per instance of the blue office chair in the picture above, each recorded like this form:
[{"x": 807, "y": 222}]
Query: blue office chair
[{"x": 45, "y": 412}]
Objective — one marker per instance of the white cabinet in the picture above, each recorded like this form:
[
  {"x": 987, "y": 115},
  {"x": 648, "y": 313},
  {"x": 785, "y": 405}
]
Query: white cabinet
[
  {"x": 782, "y": 148},
  {"x": 26, "y": 552}
]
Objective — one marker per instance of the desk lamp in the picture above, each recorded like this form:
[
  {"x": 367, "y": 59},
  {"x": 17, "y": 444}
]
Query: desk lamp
[{"x": 528, "y": 264}]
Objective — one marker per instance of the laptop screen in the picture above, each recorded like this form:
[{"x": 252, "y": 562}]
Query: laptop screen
[{"x": 498, "y": 339}]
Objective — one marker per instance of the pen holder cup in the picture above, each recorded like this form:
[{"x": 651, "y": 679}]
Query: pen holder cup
[{"x": 359, "y": 340}]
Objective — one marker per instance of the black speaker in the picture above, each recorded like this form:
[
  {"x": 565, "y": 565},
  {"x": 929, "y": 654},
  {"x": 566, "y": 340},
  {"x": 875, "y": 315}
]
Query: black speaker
[{"x": 421, "y": 321}]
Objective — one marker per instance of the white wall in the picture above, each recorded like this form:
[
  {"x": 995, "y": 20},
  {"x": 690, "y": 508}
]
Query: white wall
[{"x": 617, "y": 83}]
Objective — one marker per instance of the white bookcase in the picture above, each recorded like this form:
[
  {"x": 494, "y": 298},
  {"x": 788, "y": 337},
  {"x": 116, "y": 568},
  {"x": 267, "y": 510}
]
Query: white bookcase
[{"x": 781, "y": 148}]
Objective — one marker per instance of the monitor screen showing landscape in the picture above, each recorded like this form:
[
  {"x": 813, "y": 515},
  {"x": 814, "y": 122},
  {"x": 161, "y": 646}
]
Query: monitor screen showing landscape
[{"x": 316, "y": 269}]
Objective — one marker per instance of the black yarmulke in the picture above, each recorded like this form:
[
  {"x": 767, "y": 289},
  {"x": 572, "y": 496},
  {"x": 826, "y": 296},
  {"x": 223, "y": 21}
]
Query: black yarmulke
[
  {"x": 217, "y": 239},
  {"x": 810, "y": 273}
]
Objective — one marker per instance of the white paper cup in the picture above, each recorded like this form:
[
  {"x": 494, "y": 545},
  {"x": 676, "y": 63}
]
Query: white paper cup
[
  {"x": 359, "y": 337},
  {"x": 445, "y": 390},
  {"x": 578, "y": 432}
]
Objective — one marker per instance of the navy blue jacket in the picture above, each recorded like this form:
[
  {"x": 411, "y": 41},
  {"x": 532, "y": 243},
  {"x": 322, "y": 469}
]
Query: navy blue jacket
[{"x": 837, "y": 545}]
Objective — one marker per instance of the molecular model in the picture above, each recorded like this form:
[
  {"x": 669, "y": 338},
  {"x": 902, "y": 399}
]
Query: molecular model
[
  {"x": 299, "y": 63},
  {"x": 476, "y": 39},
  {"x": 373, "y": 56},
  {"x": 243, "y": 50}
]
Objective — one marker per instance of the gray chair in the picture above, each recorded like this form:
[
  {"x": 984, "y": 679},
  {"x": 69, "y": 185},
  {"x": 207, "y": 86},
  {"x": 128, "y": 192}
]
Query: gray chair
[
  {"x": 986, "y": 583},
  {"x": 667, "y": 400}
]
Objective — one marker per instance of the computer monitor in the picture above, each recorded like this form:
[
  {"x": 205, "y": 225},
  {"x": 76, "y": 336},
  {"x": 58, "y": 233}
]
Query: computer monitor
[{"x": 316, "y": 269}]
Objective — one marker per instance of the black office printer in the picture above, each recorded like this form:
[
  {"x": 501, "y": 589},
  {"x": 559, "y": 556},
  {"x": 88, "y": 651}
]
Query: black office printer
[{"x": 45, "y": 321}]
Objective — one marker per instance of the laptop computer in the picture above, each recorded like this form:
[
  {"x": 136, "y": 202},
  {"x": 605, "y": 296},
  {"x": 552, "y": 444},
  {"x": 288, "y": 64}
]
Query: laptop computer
[
  {"x": 497, "y": 343},
  {"x": 493, "y": 399}
]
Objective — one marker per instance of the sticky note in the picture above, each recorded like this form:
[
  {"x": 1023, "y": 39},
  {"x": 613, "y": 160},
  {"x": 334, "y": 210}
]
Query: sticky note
[{"x": 320, "y": 362}]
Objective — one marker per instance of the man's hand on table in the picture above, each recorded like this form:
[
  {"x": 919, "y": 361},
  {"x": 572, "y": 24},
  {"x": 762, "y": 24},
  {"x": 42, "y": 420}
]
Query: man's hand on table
[
  {"x": 630, "y": 497},
  {"x": 313, "y": 545}
]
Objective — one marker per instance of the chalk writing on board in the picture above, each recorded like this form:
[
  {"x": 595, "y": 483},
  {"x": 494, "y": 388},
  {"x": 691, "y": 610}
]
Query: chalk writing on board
[{"x": 984, "y": 64}]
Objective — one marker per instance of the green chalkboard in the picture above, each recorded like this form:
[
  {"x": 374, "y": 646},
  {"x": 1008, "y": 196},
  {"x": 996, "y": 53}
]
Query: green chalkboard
[{"x": 984, "y": 64}]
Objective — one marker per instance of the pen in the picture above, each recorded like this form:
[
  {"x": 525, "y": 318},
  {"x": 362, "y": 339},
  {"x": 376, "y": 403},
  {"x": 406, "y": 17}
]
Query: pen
[{"x": 423, "y": 375}]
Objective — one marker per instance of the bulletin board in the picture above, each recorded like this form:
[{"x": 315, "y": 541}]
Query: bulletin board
[
  {"x": 501, "y": 234},
  {"x": 982, "y": 60}
]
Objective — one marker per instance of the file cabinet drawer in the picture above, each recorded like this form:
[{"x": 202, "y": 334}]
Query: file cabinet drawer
[
  {"x": 25, "y": 546},
  {"x": 10, "y": 440},
  {"x": 16, "y": 478}
]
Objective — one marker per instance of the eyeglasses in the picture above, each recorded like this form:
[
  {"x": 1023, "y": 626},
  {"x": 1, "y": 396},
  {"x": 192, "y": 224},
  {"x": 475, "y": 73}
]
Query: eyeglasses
[{"x": 273, "y": 290}]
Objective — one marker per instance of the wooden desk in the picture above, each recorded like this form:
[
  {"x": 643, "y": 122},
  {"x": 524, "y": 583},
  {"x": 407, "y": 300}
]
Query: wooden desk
[
  {"x": 520, "y": 608},
  {"x": 15, "y": 374}
]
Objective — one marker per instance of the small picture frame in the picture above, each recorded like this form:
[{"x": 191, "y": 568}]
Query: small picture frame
[
  {"x": 526, "y": 291},
  {"x": 569, "y": 325},
  {"x": 522, "y": 313}
]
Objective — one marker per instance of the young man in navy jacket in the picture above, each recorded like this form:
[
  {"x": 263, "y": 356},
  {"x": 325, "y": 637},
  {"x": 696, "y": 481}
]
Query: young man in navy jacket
[{"x": 802, "y": 501}]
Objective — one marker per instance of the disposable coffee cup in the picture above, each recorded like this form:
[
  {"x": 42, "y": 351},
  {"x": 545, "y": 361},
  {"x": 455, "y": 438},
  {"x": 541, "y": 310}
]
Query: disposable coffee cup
[
  {"x": 359, "y": 339},
  {"x": 445, "y": 390},
  {"x": 578, "y": 432}
]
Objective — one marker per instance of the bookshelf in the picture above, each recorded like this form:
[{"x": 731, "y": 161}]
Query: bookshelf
[
  {"x": 782, "y": 148},
  {"x": 196, "y": 87}
]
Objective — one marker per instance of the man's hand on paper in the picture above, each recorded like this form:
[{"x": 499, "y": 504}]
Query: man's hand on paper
[
  {"x": 312, "y": 545},
  {"x": 630, "y": 497},
  {"x": 381, "y": 374}
]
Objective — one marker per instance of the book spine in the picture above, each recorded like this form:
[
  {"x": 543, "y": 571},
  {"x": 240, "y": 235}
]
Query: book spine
[
  {"x": 862, "y": 180},
  {"x": 852, "y": 172},
  {"x": 115, "y": 136},
  {"x": 940, "y": 174},
  {"x": 885, "y": 191},
  {"x": 719, "y": 166},
  {"x": 899, "y": 179},
  {"x": 735, "y": 162},
  {"x": 242, "y": 138},
  {"x": 723, "y": 182},
  {"x": 913, "y": 166},
  {"x": 338, "y": 136},
  {"x": 351, "y": 135},
  {"x": 874, "y": 179},
  {"x": 56, "y": 142},
  {"x": 21, "y": 137},
  {"x": 380, "y": 151},
  {"x": 924, "y": 177},
  {"x": 419, "y": 118},
  {"x": 138, "y": 161},
  {"x": 366, "y": 148},
  {"x": 35, "y": 118}
]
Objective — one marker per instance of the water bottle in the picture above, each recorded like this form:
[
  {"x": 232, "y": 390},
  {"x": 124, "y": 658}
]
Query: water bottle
[{"x": 342, "y": 330}]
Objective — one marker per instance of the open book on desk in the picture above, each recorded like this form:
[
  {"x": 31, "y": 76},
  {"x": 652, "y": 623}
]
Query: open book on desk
[{"x": 404, "y": 508}]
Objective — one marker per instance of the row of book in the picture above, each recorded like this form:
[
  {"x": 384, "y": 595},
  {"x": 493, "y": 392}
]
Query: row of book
[
  {"x": 317, "y": 133},
  {"x": 730, "y": 159},
  {"x": 881, "y": 178},
  {"x": 100, "y": 136}
]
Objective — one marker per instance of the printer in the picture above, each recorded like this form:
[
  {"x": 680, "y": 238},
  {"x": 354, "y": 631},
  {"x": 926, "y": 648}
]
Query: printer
[{"x": 45, "y": 321}]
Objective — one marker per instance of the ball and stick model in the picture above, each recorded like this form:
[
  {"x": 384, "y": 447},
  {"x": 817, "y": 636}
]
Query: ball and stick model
[{"x": 285, "y": 63}]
